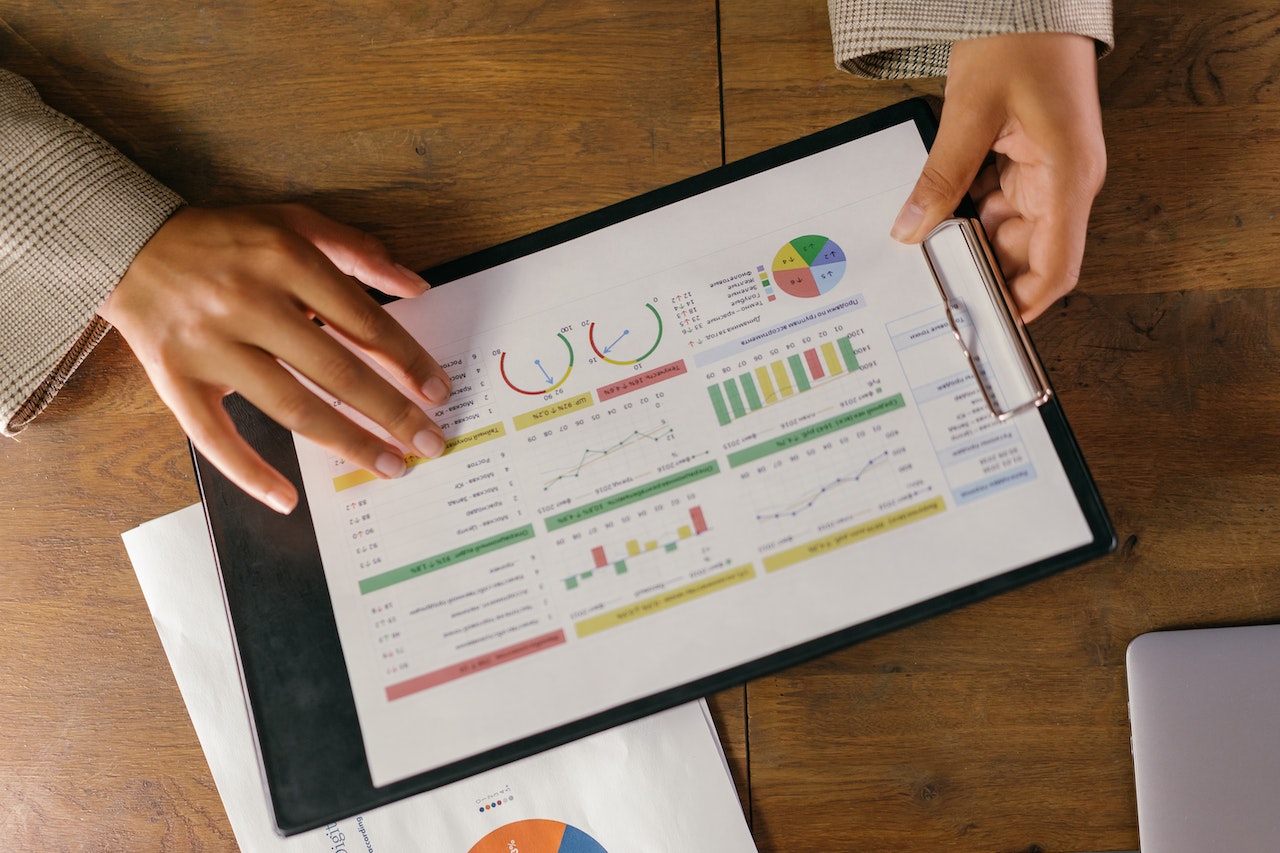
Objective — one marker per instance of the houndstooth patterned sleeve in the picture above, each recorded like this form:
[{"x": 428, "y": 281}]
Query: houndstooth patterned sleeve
[
  {"x": 898, "y": 39},
  {"x": 73, "y": 213}
]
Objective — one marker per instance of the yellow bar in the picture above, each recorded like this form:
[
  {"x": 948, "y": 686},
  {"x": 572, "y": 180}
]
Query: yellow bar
[
  {"x": 651, "y": 545},
  {"x": 633, "y": 548},
  {"x": 685, "y": 531},
  {"x": 784, "y": 381},
  {"x": 766, "y": 386},
  {"x": 850, "y": 535},
  {"x": 665, "y": 600},
  {"x": 833, "y": 361},
  {"x": 555, "y": 410},
  {"x": 458, "y": 442}
]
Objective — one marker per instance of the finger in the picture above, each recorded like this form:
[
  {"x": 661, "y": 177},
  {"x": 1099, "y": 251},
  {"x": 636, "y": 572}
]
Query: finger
[
  {"x": 280, "y": 396},
  {"x": 995, "y": 209},
  {"x": 1011, "y": 241},
  {"x": 1054, "y": 256},
  {"x": 1055, "y": 249},
  {"x": 964, "y": 138},
  {"x": 347, "y": 378},
  {"x": 1033, "y": 293},
  {"x": 200, "y": 414},
  {"x": 987, "y": 182},
  {"x": 1055, "y": 242},
  {"x": 357, "y": 253},
  {"x": 354, "y": 315}
]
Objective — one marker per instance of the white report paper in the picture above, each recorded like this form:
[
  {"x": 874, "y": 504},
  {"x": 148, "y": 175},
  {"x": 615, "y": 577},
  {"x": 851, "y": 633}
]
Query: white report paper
[
  {"x": 677, "y": 444},
  {"x": 658, "y": 785}
]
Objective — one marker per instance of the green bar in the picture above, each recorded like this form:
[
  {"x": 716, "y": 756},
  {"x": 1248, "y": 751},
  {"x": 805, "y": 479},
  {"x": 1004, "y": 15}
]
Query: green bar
[
  {"x": 670, "y": 546},
  {"x": 570, "y": 583},
  {"x": 620, "y": 567},
  {"x": 749, "y": 388},
  {"x": 677, "y": 480},
  {"x": 797, "y": 370},
  {"x": 850, "y": 359},
  {"x": 735, "y": 399},
  {"x": 717, "y": 401},
  {"x": 821, "y": 429},
  {"x": 446, "y": 559}
]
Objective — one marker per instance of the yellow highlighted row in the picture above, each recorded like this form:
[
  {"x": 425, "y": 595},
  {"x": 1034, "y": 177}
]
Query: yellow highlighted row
[
  {"x": 664, "y": 601},
  {"x": 555, "y": 410},
  {"x": 850, "y": 535},
  {"x": 458, "y": 442}
]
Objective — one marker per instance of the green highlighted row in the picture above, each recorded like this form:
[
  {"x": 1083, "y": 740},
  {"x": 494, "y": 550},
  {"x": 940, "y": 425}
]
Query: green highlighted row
[
  {"x": 446, "y": 559},
  {"x": 640, "y": 493},
  {"x": 844, "y": 420}
]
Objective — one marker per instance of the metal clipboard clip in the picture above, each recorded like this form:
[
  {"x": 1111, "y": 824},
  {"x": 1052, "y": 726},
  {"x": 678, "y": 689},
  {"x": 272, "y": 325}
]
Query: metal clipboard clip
[{"x": 984, "y": 319}]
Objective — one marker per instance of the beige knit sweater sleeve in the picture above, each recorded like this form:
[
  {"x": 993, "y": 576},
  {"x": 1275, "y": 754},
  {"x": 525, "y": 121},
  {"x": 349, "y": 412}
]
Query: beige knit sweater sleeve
[
  {"x": 897, "y": 39},
  {"x": 73, "y": 214}
]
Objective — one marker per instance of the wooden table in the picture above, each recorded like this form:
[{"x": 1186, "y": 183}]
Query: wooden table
[{"x": 447, "y": 127}]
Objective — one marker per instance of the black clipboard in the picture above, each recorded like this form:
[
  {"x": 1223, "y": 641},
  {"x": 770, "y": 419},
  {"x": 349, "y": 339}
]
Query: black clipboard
[{"x": 291, "y": 660}]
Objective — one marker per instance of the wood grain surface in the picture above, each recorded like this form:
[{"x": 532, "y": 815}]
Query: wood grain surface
[{"x": 446, "y": 127}]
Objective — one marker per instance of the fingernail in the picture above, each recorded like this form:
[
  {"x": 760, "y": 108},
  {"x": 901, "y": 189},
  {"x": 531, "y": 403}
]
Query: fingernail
[
  {"x": 281, "y": 502},
  {"x": 909, "y": 219},
  {"x": 429, "y": 443},
  {"x": 412, "y": 276},
  {"x": 435, "y": 390},
  {"x": 390, "y": 464}
]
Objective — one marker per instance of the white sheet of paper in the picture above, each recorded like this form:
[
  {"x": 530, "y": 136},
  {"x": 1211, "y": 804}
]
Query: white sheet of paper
[
  {"x": 681, "y": 443},
  {"x": 658, "y": 784}
]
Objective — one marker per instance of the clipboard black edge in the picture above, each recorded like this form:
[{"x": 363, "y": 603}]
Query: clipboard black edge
[{"x": 292, "y": 666}]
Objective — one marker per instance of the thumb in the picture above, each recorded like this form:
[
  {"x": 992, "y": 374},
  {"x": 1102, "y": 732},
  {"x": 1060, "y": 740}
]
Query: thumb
[{"x": 963, "y": 140}]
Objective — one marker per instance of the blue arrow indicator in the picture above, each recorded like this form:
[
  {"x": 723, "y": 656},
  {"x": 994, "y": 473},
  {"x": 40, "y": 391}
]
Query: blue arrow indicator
[{"x": 625, "y": 332}]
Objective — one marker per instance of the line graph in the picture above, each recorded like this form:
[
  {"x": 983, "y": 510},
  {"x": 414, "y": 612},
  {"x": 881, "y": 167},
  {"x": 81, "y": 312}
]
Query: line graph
[
  {"x": 590, "y": 456},
  {"x": 807, "y": 500}
]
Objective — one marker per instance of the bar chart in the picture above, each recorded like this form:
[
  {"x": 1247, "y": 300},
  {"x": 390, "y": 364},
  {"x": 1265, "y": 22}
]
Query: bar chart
[
  {"x": 766, "y": 384},
  {"x": 616, "y": 564}
]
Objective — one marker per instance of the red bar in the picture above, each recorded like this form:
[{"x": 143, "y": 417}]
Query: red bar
[
  {"x": 699, "y": 523},
  {"x": 815, "y": 366},
  {"x": 476, "y": 664},
  {"x": 597, "y": 554}
]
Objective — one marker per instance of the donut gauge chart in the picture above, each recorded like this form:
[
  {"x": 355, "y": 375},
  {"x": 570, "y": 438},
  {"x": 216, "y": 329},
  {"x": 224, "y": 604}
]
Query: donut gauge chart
[
  {"x": 537, "y": 373},
  {"x": 809, "y": 266},
  {"x": 628, "y": 342}
]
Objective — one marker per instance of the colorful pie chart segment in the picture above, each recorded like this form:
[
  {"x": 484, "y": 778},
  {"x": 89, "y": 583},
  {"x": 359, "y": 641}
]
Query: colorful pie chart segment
[
  {"x": 537, "y": 836},
  {"x": 809, "y": 266}
]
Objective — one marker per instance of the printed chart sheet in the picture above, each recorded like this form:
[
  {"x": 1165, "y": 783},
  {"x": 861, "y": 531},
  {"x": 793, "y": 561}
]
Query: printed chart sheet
[{"x": 679, "y": 443}]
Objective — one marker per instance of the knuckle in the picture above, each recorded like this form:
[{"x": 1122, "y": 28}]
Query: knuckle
[
  {"x": 404, "y": 418},
  {"x": 342, "y": 373},
  {"x": 416, "y": 364},
  {"x": 296, "y": 410},
  {"x": 368, "y": 322},
  {"x": 277, "y": 243},
  {"x": 370, "y": 245}
]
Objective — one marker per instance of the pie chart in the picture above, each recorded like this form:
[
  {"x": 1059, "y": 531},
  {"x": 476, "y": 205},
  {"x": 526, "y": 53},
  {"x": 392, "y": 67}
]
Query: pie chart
[
  {"x": 809, "y": 266},
  {"x": 537, "y": 836}
]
